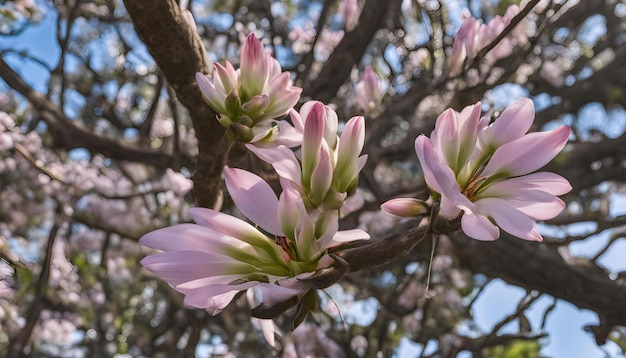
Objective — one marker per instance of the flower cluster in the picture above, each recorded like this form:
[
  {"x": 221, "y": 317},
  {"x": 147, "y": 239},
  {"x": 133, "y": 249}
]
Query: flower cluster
[
  {"x": 479, "y": 169},
  {"x": 484, "y": 171},
  {"x": 220, "y": 255},
  {"x": 327, "y": 171},
  {"x": 247, "y": 100},
  {"x": 473, "y": 36}
]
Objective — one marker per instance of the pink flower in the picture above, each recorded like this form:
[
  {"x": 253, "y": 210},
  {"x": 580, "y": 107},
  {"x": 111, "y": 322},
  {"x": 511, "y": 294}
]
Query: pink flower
[
  {"x": 327, "y": 171},
  {"x": 248, "y": 100},
  {"x": 484, "y": 171},
  {"x": 473, "y": 36},
  {"x": 220, "y": 255},
  {"x": 369, "y": 94}
]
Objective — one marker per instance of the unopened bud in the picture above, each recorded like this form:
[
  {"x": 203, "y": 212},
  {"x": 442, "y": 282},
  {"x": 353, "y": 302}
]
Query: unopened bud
[{"x": 242, "y": 133}]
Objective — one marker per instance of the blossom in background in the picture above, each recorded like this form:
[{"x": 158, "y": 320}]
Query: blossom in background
[
  {"x": 327, "y": 171},
  {"x": 369, "y": 94},
  {"x": 484, "y": 171},
  {"x": 349, "y": 11},
  {"x": 249, "y": 99},
  {"x": 220, "y": 255},
  {"x": 473, "y": 36}
]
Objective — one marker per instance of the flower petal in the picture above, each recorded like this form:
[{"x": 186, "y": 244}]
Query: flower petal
[
  {"x": 479, "y": 227},
  {"x": 509, "y": 218},
  {"x": 512, "y": 124},
  {"x": 213, "y": 297},
  {"x": 193, "y": 237},
  {"x": 254, "y": 67},
  {"x": 528, "y": 153},
  {"x": 255, "y": 198},
  {"x": 215, "y": 98},
  {"x": 282, "y": 159},
  {"x": 422, "y": 142},
  {"x": 345, "y": 236},
  {"x": 182, "y": 266}
]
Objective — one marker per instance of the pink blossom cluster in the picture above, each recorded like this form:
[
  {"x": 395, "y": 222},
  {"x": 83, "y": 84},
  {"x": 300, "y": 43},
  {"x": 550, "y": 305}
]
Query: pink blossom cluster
[
  {"x": 473, "y": 36},
  {"x": 249, "y": 99},
  {"x": 479, "y": 170},
  {"x": 220, "y": 255},
  {"x": 485, "y": 172},
  {"x": 83, "y": 198}
]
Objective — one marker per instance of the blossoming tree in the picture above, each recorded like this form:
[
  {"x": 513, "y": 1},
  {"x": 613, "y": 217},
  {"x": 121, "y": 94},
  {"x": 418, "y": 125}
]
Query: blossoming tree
[{"x": 309, "y": 178}]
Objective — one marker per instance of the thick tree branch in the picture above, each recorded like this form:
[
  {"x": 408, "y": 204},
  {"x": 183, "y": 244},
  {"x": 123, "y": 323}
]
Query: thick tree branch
[
  {"x": 178, "y": 50},
  {"x": 535, "y": 266}
]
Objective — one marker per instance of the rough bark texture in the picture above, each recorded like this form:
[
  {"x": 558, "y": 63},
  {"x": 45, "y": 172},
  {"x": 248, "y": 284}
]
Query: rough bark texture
[{"x": 177, "y": 49}]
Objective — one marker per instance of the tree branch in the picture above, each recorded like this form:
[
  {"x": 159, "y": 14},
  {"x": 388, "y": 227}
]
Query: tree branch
[
  {"x": 349, "y": 51},
  {"x": 69, "y": 135},
  {"x": 178, "y": 50}
]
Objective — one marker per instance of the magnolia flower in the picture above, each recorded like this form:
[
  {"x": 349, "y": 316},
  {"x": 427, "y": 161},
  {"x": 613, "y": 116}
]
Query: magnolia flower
[
  {"x": 369, "y": 94},
  {"x": 220, "y": 255},
  {"x": 473, "y": 36},
  {"x": 250, "y": 98},
  {"x": 329, "y": 166},
  {"x": 484, "y": 171}
]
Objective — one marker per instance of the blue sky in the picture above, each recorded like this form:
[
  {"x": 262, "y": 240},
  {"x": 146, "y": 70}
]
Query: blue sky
[{"x": 567, "y": 338}]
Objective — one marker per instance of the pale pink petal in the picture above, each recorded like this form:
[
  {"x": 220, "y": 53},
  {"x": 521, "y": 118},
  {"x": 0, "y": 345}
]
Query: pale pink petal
[
  {"x": 272, "y": 293},
  {"x": 457, "y": 57},
  {"x": 470, "y": 126},
  {"x": 353, "y": 203},
  {"x": 177, "y": 267},
  {"x": 322, "y": 176},
  {"x": 254, "y": 67},
  {"x": 282, "y": 159},
  {"x": 540, "y": 210},
  {"x": 512, "y": 124},
  {"x": 227, "y": 76},
  {"x": 352, "y": 138},
  {"x": 421, "y": 143},
  {"x": 255, "y": 198},
  {"x": 192, "y": 237},
  {"x": 236, "y": 229},
  {"x": 215, "y": 98},
  {"x": 297, "y": 119},
  {"x": 545, "y": 181},
  {"x": 509, "y": 218},
  {"x": 350, "y": 146},
  {"x": 290, "y": 211},
  {"x": 255, "y": 105},
  {"x": 268, "y": 330},
  {"x": 327, "y": 224},
  {"x": 288, "y": 135},
  {"x": 445, "y": 137},
  {"x": 528, "y": 153},
  {"x": 345, "y": 236},
  {"x": 214, "y": 297},
  {"x": 311, "y": 142},
  {"x": 224, "y": 223},
  {"x": 479, "y": 227}
]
